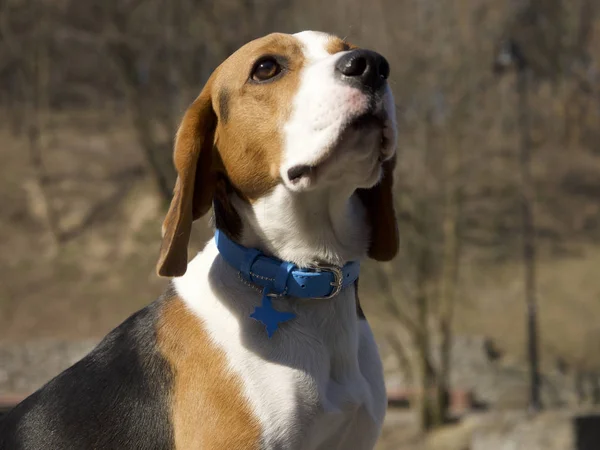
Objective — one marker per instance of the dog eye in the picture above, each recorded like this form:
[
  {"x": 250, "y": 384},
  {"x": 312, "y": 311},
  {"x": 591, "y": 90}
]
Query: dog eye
[{"x": 265, "y": 69}]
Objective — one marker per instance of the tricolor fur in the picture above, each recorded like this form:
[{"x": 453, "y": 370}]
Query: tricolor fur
[{"x": 298, "y": 163}]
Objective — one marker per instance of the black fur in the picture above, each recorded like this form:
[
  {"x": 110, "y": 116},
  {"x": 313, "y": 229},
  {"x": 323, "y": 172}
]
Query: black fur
[
  {"x": 224, "y": 105},
  {"x": 225, "y": 217},
  {"x": 116, "y": 397},
  {"x": 359, "y": 311}
]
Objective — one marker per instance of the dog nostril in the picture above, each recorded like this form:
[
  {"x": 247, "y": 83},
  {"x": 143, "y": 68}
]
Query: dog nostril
[
  {"x": 354, "y": 67},
  {"x": 384, "y": 69},
  {"x": 298, "y": 172}
]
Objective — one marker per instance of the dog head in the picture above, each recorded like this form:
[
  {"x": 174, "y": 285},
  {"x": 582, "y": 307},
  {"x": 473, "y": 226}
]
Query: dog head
[{"x": 307, "y": 112}]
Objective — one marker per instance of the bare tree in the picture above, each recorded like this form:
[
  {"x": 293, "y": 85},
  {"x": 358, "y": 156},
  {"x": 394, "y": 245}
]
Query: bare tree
[
  {"x": 28, "y": 50},
  {"x": 539, "y": 45}
]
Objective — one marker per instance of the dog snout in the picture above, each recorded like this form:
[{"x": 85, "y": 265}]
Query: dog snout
[{"x": 363, "y": 68}]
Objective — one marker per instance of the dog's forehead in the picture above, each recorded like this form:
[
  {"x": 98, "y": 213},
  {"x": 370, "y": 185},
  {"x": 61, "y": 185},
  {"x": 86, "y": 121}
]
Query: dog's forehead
[{"x": 317, "y": 45}]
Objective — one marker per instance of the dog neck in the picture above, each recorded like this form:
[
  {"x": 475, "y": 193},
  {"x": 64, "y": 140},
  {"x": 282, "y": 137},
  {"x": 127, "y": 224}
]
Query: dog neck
[
  {"x": 326, "y": 227},
  {"x": 307, "y": 228}
]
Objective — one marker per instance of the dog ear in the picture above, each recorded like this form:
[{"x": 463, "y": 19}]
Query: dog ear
[
  {"x": 195, "y": 185},
  {"x": 379, "y": 203}
]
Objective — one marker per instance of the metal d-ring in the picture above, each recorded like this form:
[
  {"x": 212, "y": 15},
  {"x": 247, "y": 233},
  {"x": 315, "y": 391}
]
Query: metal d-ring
[{"x": 338, "y": 279}]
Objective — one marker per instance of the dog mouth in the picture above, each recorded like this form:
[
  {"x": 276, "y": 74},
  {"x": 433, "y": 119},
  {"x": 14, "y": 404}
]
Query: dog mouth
[
  {"x": 368, "y": 122},
  {"x": 296, "y": 173},
  {"x": 363, "y": 123}
]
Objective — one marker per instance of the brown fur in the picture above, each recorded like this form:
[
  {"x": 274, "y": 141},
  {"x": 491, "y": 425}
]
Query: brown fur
[
  {"x": 194, "y": 187},
  {"x": 208, "y": 407},
  {"x": 250, "y": 142},
  {"x": 379, "y": 203},
  {"x": 336, "y": 45},
  {"x": 242, "y": 120}
]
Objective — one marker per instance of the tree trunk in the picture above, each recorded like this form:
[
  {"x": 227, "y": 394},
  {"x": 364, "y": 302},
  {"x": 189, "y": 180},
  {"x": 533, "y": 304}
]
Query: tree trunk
[
  {"x": 528, "y": 236},
  {"x": 38, "y": 75},
  {"x": 428, "y": 416},
  {"x": 449, "y": 278}
]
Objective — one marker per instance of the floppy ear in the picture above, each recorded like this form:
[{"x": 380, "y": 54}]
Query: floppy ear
[
  {"x": 194, "y": 189},
  {"x": 379, "y": 203}
]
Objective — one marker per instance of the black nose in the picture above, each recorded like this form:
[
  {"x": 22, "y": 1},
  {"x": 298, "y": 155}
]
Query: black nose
[{"x": 365, "y": 68}]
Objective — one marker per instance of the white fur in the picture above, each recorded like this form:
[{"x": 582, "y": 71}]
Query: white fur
[
  {"x": 317, "y": 384},
  {"x": 322, "y": 108},
  {"x": 308, "y": 228},
  {"x": 318, "y": 378}
]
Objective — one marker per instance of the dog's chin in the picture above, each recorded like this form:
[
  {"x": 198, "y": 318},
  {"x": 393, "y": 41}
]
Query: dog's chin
[
  {"x": 369, "y": 131},
  {"x": 355, "y": 157},
  {"x": 341, "y": 169}
]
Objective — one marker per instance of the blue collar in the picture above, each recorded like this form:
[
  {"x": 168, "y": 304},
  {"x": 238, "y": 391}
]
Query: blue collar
[
  {"x": 281, "y": 278},
  {"x": 285, "y": 278}
]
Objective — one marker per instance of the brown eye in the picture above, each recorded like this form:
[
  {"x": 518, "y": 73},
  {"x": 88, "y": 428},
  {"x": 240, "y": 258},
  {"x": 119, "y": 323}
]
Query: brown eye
[{"x": 265, "y": 69}]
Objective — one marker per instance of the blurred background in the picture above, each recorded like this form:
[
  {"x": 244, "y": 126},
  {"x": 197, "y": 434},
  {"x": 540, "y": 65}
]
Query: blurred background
[{"x": 487, "y": 321}]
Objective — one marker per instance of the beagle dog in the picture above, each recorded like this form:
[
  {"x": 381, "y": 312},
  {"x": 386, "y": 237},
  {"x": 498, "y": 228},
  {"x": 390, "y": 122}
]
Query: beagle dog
[{"x": 259, "y": 342}]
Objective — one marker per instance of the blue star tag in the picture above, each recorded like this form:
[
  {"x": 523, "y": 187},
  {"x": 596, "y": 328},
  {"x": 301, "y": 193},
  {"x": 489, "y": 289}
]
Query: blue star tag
[{"x": 269, "y": 316}]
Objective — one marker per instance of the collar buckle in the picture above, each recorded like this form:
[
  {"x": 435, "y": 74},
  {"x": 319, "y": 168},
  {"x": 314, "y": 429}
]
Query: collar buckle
[{"x": 338, "y": 279}]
